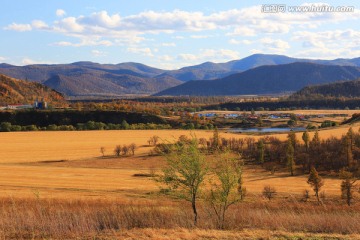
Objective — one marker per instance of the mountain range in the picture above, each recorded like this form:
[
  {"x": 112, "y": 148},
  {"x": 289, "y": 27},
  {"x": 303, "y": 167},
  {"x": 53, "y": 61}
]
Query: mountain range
[
  {"x": 94, "y": 79},
  {"x": 271, "y": 79}
]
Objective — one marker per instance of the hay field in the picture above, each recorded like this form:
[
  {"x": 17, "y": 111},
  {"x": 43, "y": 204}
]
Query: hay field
[
  {"x": 69, "y": 145},
  {"x": 20, "y": 147},
  {"x": 70, "y": 165}
]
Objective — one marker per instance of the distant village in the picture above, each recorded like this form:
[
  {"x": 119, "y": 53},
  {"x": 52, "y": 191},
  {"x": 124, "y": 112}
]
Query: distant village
[
  {"x": 255, "y": 116},
  {"x": 36, "y": 105}
]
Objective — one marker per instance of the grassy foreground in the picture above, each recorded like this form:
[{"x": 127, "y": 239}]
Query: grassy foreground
[
  {"x": 164, "y": 219},
  {"x": 89, "y": 196}
]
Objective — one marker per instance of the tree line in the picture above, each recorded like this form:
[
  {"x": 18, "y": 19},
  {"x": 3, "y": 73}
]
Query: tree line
[
  {"x": 212, "y": 172},
  {"x": 90, "y": 125}
]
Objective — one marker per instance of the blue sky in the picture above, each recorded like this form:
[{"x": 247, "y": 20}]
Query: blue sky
[{"x": 171, "y": 34}]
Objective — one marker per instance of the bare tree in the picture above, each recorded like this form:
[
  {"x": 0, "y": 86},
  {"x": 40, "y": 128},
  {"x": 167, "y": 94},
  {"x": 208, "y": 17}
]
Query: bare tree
[
  {"x": 290, "y": 156},
  {"x": 306, "y": 195},
  {"x": 269, "y": 192},
  {"x": 132, "y": 148},
  {"x": 102, "y": 150},
  {"x": 153, "y": 140},
  {"x": 347, "y": 186},
  {"x": 125, "y": 150},
  {"x": 117, "y": 150}
]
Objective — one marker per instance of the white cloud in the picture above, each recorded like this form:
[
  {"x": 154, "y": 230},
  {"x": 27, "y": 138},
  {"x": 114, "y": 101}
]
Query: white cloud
[
  {"x": 328, "y": 36},
  {"x": 166, "y": 58},
  {"x": 85, "y": 42},
  {"x": 274, "y": 45},
  {"x": 29, "y": 61},
  {"x": 237, "y": 42},
  {"x": 188, "y": 57},
  {"x": 243, "y": 31},
  {"x": 254, "y": 51},
  {"x": 210, "y": 55},
  {"x": 327, "y": 53},
  {"x": 170, "y": 44},
  {"x": 19, "y": 27},
  {"x": 63, "y": 44},
  {"x": 328, "y": 44},
  {"x": 199, "y": 36},
  {"x": 178, "y": 37},
  {"x": 60, "y": 12},
  {"x": 106, "y": 29},
  {"x": 38, "y": 24},
  {"x": 98, "y": 53},
  {"x": 142, "y": 51},
  {"x": 2, "y": 58},
  {"x": 245, "y": 21},
  {"x": 69, "y": 25}
]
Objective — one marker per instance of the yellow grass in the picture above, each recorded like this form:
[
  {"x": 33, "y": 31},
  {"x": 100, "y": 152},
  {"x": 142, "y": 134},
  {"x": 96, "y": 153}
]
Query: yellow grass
[
  {"x": 27, "y": 165},
  {"x": 19, "y": 147},
  {"x": 68, "y": 145},
  {"x": 32, "y": 166},
  {"x": 195, "y": 234}
]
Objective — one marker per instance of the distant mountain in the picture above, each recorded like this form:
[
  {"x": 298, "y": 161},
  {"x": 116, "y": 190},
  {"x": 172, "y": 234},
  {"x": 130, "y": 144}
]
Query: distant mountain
[
  {"x": 257, "y": 60},
  {"x": 337, "y": 89},
  {"x": 204, "y": 71},
  {"x": 211, "y": 71},
  {"x": 131, "y": 68},
  {"x": 93, "y": 79},
  {"x": 267, "y": 80},
  {"x": 14, "y": 91}
]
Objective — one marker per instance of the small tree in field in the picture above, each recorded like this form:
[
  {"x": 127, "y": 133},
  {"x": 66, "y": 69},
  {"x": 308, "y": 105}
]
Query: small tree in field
[
  {"x": 102, "y": 150},
  {"x": 224, "y": 189},
  {"x": 117, "y": 150},
  {"x": 132, "y": 148},
  {"x": 125, "y": 149},
  {"x": 315, "y": 181},
  {"x": 347, "y": 186},
  {"x": 269, "y": 192},
  {"x": 261, "y": 151},
  {"x": 185, "y": 173},
  {"x": 290, "y": 157}
]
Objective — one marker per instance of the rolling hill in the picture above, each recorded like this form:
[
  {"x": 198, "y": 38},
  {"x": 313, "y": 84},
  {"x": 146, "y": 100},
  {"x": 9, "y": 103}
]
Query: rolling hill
[
  {"x": 267, "y": 80},
  {"x": 91, "y": 79},
  {"x": 211, "y": 71},
  {"x": 94, "y": 79},
  {"x": 337, "y": 89},
  {"x": 14, "y": 91}
]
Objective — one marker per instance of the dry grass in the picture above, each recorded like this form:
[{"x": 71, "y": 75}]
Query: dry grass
[
  {"x": 114, "y": 178},
  {"x": 88, "y": 195},
  {"x": 63, "y": 219},
  {"x": 201, "y": 234},
  {"x": 42, "y": 146},
  {"x": 19, "y": 147},
  {"x": 32, "y": 161}
]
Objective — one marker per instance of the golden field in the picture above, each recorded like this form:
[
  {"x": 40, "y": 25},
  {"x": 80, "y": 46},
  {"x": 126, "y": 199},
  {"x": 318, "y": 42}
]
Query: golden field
[
  {"x": 69, "y": 164},
  {"x": 57, "y": 185}
]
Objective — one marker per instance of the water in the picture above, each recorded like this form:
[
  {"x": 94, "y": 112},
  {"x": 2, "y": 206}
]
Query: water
[{"x": 266, "y": 130}]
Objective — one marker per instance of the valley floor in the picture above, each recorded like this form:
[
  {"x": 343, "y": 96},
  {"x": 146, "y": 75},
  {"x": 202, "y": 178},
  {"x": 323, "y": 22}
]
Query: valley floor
[{"x": 57, "y": 185}]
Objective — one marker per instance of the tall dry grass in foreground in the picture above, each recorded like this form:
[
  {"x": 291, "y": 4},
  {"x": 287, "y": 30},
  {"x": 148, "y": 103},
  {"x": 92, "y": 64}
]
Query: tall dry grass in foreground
[{"x": 54, "y": 218}]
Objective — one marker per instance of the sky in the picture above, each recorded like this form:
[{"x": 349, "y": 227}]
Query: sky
[{"x": 173, "y": 34}]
